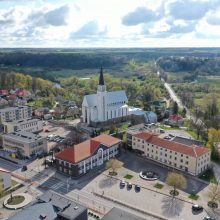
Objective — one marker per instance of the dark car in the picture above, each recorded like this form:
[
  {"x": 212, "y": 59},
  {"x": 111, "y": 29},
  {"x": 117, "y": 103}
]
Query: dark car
[
  {"x": 197, "y": 207},
  {"x": 209, "y": 218},
  {"x": 137, "y": 188},
  {"x": 24, "y": 168}
]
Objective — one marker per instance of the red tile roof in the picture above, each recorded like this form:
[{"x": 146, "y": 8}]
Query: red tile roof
[
  {"x": 175, "y": 118},
  {"x": 86, "y": 149},
  {"x": 193, "y": 151}
]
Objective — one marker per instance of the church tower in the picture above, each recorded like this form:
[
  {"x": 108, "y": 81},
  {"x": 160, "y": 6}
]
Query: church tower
[
  {"x": 101, "y": 86},
  {"x": 101, "y": 96}
]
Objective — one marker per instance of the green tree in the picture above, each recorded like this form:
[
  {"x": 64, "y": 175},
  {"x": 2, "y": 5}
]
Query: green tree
[
  {"x": 177, "y": 181},
  {"x": 175, "y": 108}
]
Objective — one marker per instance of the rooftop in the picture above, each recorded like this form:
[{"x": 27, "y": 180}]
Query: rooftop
[
  {"x": 116, "y": 214},
  {"x": 87, "y": 148},
  {"x": 23, "y": 136},
  {"x": 13, "y": 108},
  {"x": 187, "y": 141},
  {"x": 65, "y": 206},
  {"x": 193, "y": 150},
  {"x": 22, "y": 121}
]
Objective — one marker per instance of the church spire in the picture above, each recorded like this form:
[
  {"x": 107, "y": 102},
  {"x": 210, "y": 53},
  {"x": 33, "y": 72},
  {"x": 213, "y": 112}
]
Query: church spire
[{"x": 101, "y": 78}]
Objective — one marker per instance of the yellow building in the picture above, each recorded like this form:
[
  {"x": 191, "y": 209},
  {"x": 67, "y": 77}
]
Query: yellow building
[{"x": 191, "y": 159}]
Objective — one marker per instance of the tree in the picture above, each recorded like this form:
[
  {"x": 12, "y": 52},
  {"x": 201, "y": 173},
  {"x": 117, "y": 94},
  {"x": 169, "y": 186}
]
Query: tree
[
  {"x": 175, "y": 108},
  {"x": 214, "y": 193},
  {"x": 213, "y": 142},
  {"x": 114, "y": 164},
  {"x": 184, "y": 112},
  {"x": 177, "y": 181}
]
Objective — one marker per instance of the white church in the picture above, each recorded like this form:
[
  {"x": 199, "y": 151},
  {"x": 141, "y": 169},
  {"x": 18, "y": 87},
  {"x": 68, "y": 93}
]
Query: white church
[{"x": 104, "y": 106}]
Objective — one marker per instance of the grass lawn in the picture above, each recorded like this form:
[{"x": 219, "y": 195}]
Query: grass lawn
[
  {"x": 128, "y": 176},
  {"x": 209, "y": 176},
  {"x": 158, "y": 185},
  {"x": 193, "y": 196},
  {"x": 6, "y": 192},
  {"x": 16, "y": 200}
]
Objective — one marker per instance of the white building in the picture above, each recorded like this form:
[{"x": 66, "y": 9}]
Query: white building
[
  {"x": 24, "y": 143},
  {"x": 191, "y": 159},
  {"x": 15, "y": 113},
  {"x": 104, "y": 106},
  {"x": 30, "y": 125},
  {"x": 5, "y": 178}
]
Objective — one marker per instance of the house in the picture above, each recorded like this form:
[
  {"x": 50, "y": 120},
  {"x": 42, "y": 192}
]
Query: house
[
  {"x": 22, "y": 92},
  {"x": 29, "y": 125},
  {"x": 3, "y": 92},
  {"x": 104, "y": 106},
  {"x": 190, "y": 159},
  {"x": 174, "y": 120},
  {"x": 3, "y": 102},
  {"x": 81, "y": 158},
  {"x": 40, "y": 112},
  {"x": 24, "y": 144},
  {"x": 53, "y": 206},
  {"x": 5, "y": 178},
  {"x": 116, "y": 214},
  {"x": 15, "y": 113}
]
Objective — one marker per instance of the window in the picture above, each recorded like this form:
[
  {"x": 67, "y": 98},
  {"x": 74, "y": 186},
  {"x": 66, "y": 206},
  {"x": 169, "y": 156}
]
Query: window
[
  {"x": 181, "y": 160},
  {"x": 187, "y": 162},
  {"x": 175, "y": 158}
]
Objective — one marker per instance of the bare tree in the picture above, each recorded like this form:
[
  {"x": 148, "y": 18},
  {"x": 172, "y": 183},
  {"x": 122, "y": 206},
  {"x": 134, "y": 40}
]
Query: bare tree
[
  {"x": 114, "y": 164},
  {"x": 177, "y": 181},
  {"x": 214, "y": 192}
]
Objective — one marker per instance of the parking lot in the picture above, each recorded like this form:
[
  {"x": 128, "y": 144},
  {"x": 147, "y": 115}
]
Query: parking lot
[{"x": 54, "y": 130}]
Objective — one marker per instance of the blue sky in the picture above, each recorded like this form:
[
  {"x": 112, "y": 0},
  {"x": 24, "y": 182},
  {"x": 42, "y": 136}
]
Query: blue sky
[{"x": 104, "y": 23}]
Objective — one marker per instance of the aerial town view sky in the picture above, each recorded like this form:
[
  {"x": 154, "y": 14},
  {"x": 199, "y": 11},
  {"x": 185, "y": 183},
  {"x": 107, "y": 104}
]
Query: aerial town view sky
[{"x": 102, "y": 23}]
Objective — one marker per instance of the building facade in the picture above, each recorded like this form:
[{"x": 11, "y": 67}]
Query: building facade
[
  {"x": 15, "y": 113},
  {"x": 191, "y": 159},
  {"x": 32, "y": 125},
  {"x": 24, "y": 143},
  {"x": 5, "y": 178},
  {"x": 104, "y": 106},
  {"x": 81, "y": 158}
]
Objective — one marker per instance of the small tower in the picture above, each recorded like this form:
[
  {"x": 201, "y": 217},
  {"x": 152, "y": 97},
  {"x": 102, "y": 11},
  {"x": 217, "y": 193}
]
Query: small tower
[
  {"x": 101, "y": 97},
  {"x": 101, "y": 86}
]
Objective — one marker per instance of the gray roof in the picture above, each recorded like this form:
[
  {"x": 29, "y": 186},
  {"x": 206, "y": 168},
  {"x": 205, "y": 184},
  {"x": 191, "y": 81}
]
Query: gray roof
[
  {"x": 187, "y": 141},
  {"x": 22, "y": 121},
  {"x": 35, "y": 212},
  {"x": 23, "y": 136},
  {"x": 116, "y": 214},
  {"x": 67, "y": 208},
  {"x": 13, "y": 108},
  {"x": 111, "y": 97}
]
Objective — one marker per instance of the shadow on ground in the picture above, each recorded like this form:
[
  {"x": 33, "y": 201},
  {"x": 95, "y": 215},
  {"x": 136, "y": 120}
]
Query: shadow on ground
[
  {"x": 107, "y": 182},
  {"x": 171, "y": 206}
]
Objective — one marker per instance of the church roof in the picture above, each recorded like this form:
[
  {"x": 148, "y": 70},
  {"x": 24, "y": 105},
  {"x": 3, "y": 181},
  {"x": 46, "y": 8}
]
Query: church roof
[{"x": 111, "y": 97}]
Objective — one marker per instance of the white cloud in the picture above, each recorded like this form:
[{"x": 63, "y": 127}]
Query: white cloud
[{"x": 109, "y": 23}]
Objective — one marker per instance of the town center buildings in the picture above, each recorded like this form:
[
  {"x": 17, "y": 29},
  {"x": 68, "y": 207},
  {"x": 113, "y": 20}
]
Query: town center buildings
[
  {"x": 79, "y": 159},
  {"x": 191, "y": 159}
]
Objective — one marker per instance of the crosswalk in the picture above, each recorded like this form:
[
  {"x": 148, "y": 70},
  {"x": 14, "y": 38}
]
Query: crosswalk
[{"x": 58, "y": 185}]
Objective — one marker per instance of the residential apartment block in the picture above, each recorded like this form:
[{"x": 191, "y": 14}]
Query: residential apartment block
[
  {"x": 29, "y": 125},
  {"x": 191, "y": 159},
  {"x": 81, "y": 158},
  {"x": 15, "y": 113},
  {"x": 24, "y": 143}
]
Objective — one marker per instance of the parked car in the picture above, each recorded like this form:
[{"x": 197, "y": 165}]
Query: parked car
[
  {"x": 209, "y": 218},
  {"x": 196, "y": 207},
  {"x": 129, "y": 185},
  {"x": 24, "y": 168},
  {"x": 167, "y": 137},
  {"x": 122, "y": 183},
  {"x": 137, "y": 188}
]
